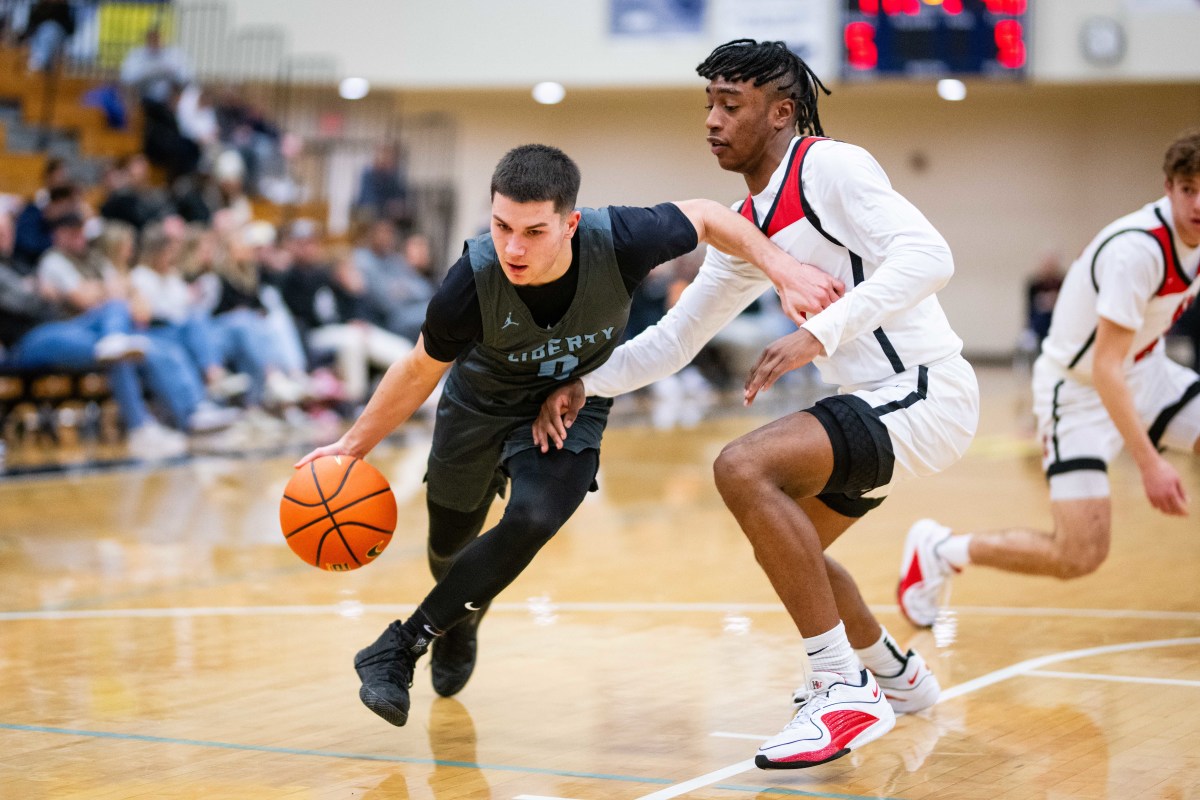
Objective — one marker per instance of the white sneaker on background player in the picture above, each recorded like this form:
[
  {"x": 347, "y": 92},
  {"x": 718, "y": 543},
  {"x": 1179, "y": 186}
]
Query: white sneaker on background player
[
  {"x": 923, "y": 572},
  {"x": 915, "y": 689},
  {"x": 832, "y": 718}
]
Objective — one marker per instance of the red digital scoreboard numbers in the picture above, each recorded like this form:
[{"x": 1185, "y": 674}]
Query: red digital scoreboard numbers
[{"x": 934, "y": 38}]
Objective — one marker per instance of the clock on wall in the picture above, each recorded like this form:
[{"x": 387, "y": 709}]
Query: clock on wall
[{"x": 1102, "y": 40}]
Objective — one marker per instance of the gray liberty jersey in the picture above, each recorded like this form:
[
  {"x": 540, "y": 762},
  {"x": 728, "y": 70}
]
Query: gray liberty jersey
[{"x": 518, "y": 363}]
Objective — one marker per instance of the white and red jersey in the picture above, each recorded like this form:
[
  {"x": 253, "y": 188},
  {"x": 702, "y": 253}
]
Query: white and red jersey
[
  {"x": 1136, "y": 273},
  {"x": 829, "y": 204}
]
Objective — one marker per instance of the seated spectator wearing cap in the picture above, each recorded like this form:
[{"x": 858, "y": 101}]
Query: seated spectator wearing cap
[
  {"x": 67, "y": 276},
  {"x": 326, "y": 300}
]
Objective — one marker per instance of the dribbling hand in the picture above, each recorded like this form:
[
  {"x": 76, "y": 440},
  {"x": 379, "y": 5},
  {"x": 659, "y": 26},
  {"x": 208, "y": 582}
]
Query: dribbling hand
[
  {"x": 557, "y": 414},
  {"x": 335, "y": 449}
]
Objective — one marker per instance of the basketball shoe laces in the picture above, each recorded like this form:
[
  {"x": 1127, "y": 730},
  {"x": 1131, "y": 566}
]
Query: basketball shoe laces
[
  {"x": 808, "y": 701},
  {"x": 395, "y": 657}
]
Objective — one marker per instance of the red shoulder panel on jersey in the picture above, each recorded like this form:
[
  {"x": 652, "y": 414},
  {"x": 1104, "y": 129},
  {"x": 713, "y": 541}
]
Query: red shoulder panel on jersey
[
  {"x": 788, "y": 207},
  {"x": 1174, "y": 281}
]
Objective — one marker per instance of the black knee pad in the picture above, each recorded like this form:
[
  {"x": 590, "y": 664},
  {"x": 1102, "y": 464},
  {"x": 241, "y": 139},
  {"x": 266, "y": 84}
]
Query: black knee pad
[{"x": 862, "y": 454}]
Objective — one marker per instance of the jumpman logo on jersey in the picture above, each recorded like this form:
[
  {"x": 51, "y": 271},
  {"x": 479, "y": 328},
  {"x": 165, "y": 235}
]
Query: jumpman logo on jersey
[{"x": 509, "y": 321}]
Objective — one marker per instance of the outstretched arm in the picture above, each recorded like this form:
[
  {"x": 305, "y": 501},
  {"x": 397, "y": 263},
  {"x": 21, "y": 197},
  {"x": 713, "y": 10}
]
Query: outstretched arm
[
  {"x": 803, "y": 289},
  {"x": 723, "y": 288},
  {"x": 404, "y": 387}
]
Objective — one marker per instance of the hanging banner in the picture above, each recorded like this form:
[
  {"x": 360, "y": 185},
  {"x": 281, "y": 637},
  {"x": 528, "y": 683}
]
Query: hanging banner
[{"x": 806, "y": 25}]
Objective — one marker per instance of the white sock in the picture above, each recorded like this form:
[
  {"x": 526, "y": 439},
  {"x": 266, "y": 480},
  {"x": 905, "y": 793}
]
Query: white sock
[
  {"x": 885, "y": 658},
  {"x": 831, "y": 652},
  {"x": 956, "y": 550}
]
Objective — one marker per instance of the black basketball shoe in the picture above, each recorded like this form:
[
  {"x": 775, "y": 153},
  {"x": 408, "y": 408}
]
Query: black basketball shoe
[
  {"x": 453, "y": 657},
  {"x": 386, "y": 669}
]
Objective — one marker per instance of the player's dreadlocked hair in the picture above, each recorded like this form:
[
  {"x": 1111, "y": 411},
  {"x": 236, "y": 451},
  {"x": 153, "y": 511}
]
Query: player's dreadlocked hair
[{"x": 769, "y": 63}]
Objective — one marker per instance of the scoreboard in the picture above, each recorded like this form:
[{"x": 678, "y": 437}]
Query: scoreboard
[{"x": 934, "y": 38}]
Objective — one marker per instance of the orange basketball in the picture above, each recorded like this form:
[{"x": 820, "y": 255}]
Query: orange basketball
[{"x": 338, "y": 513}]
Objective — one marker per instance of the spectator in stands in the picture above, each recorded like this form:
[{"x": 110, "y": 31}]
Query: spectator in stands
[
  {"x": 131, "y": 198},
  {"x": 38, "y": 333},
  {"x": 418, "y": 252},
  {"x": 65, "y": 275},
  {"x": 246, "y": 129},
  {"x": 272, "y": 262},
  {"x": 197, "y": 120},
  {"x": 1041, "y": 293},
  {"x": 396, "y": 293},
  {"x": 162, "y": 141},
  {"x": 33, "y": 237},
  {"x": 383, "y": 188},
  {"x": 111, "y": 254},
  {"x": 56, "y": 173},
  {"x": 229, "y": 172},
  {"x": 178, "y": 323},
  {"x": 51, "y": 23},
  {"x": 154, "y": 71},
  {"x": 326, "y": 301},
  {"x": 227, "y": 278}
]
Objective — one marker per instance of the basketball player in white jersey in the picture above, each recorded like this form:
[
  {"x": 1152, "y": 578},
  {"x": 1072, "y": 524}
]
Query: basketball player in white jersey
[
  {"x": 1103, "y": 381},
  {"x": 908, "y": 403}
]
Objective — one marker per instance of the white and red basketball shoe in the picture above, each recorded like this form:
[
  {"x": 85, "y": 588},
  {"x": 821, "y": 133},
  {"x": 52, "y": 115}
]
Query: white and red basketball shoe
[
  {"x": 916, "y": 688},
  {"x": 833, "y": 717},
  {"x": 923, "y": 573}
]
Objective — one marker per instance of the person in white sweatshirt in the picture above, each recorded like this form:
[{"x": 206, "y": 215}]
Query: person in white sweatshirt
[{"x": 907, "y": 405}]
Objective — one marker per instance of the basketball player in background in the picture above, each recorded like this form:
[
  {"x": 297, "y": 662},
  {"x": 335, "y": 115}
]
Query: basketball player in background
[
  {"x": 544, "y": 296},
  {"x": 1103, "y": 381},
  {"x": 908, "y": 403}
]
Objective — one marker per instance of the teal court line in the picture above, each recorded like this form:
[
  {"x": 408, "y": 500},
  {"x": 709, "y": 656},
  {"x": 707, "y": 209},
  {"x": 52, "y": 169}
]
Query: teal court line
[{"x": 564, "y": 773}]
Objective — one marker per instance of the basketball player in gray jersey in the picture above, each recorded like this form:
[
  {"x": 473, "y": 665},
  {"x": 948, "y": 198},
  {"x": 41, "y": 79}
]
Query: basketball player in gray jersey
[{"x": 542, "y": 298}]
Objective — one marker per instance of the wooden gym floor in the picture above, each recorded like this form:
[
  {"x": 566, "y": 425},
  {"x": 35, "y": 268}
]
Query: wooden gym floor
[{"x": 159, "y": 640}]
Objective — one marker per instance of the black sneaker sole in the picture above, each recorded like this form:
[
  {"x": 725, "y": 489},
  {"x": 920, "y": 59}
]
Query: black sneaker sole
[
  {"x": 390, "y": 713},
  {"x": 762, "y": 762}
]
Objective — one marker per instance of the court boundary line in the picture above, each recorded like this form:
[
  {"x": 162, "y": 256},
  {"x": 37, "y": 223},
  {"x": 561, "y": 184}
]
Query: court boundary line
[
  {"x": 1092, "y": 676},
  {"x": 437, "y": 762},
  {"x": 1020, "y": 669}
]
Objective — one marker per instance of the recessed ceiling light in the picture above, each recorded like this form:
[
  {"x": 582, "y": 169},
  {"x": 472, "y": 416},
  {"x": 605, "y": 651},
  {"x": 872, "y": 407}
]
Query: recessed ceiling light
[
  {"x": 548, "y": 93},
  {"x": 354, "y": 88},
  {"x": 951, "y": 89}
]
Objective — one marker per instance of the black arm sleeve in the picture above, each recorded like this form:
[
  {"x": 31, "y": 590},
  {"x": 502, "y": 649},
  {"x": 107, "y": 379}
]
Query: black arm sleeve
[
  {"x": 643, "y": 238},
  {"x": 453, "y": 321}
]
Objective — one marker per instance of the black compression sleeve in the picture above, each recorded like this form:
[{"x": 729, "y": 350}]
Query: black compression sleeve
[{"x": 546, "y": 490}]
